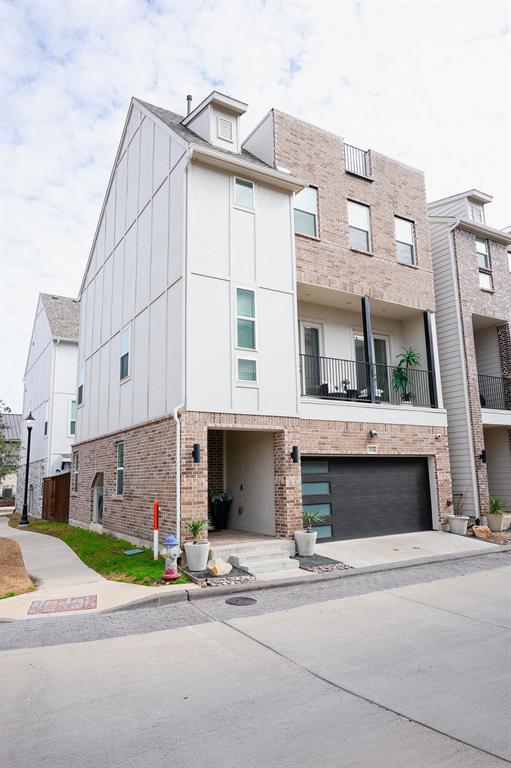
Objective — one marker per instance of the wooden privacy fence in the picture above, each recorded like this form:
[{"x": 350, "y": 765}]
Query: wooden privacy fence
[{"x": 56, "y": 497}]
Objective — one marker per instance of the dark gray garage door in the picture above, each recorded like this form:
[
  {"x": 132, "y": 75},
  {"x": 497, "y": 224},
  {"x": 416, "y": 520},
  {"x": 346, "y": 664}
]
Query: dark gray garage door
[{"x": 360, "y": 497}]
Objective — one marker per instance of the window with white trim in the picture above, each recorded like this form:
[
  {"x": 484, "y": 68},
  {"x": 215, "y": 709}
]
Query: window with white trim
[
  {"x": 405, "y": 240},
  {"x": 245, "y": 319},
  {"x": 72, "y": 418},
  {"x": 75, "y": 472},
  {"x": 80, "y": 384},
  {"x": 484, "y": 264},
  {"x": 476, "y": 212},
  {"x": 119, "y": 481},
  {"x": 247, "y": 370},
  {"x": 124, "y": 364},
  {"x": 45, "y": 428},
  {"x": 359, "y": 220},
  {"x": 243, "y": 193},
  {"x": 306, "y": 212}
]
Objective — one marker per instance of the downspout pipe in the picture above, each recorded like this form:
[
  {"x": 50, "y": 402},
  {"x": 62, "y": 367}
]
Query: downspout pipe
[{"x": 177, "y": 422}]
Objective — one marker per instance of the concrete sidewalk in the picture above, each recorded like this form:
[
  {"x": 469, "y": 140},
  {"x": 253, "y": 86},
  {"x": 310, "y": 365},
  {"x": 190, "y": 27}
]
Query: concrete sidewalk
[{"x": 58, "y": 573}]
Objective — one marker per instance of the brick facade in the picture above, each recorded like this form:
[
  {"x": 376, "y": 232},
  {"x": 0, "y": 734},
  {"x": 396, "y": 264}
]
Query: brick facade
[
  {"x": 495, "y": 305},
  {"x": 150, "y": 466},
  {"x": 318, "y": 157}
]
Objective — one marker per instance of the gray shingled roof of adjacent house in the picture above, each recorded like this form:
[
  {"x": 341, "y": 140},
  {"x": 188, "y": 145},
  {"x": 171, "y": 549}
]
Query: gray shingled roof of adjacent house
[
  {"x": 12, "y": 425},
  {"x": 63, "y": 315},
  {"x": 174, "y": 121}
]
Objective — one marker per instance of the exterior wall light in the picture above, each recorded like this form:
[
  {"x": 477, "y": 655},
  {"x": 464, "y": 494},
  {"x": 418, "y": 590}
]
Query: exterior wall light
[
  {"x": 373, "y": 433},
  {"x": 196, "y": 453},
  {"x": 295, "y": 454}
]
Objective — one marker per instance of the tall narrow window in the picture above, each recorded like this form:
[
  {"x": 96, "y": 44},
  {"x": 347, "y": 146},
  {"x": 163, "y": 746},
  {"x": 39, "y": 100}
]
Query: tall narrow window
[
  {"x": 405, "y": 240},
  {"x": 359, "y": 220},
  {"x": 484, "y": 264},
  {"x": 245, "y": 318},
  {"x": 119, "y": 485},
  {"x": 72, "y": 418},
  {"x": 75, "y": 473},
  {"x": 244, "y": 193},
  {"x": 80, "y": 385},
  {"x": 476, "y": 212},
  {"x": 306, "y": 212},
  {"x": 45, "y": 428},
  {"x": 125, "y": 354}
]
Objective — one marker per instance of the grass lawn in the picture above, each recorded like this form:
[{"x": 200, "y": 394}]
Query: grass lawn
[{"x": 103, "y": 553}]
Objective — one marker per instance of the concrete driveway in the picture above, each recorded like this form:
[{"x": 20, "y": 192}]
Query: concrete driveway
[
  {"x": 380, "y": 550},
  {"x": 407, "y": 668}
]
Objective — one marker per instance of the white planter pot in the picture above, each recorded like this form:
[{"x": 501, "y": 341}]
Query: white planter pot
[
  {"x": 458, "y": 524},
  {"x": 496, "y": 523},
  {"x": 197, "y": 555},
  {"x": 305, "y": 542}
]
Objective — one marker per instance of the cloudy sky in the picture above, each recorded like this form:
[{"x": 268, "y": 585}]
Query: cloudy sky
[{"x": 424, "y": 82}]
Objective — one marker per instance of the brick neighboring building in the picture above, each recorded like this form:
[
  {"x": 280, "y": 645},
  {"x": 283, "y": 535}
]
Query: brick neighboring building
[
  {"x": 251, "y": 301},
  {"x": 472, "y": 285}
]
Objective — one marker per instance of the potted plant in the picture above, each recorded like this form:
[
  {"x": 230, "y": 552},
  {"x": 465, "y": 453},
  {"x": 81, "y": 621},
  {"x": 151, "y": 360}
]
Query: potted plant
[
  {"x": 458, "y": 522},
  {"x": 220, "y": 507},
  {"x": 496, "y": 515},
  {"x": 196, "y": 551},
  {"x": 306, "y": 539},
  {"x": 408, "y": 359}
]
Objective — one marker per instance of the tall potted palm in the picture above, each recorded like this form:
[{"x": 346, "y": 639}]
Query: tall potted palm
[
  {"x": 196, "y": 551},
  {"x": 401, "y": 379}
]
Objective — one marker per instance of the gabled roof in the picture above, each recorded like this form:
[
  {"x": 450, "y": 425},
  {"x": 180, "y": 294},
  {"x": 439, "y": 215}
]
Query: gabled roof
[
  {"x": 63, "y": 315},
  {"x": 12, "y": 425},
  {"x": 174, "y": 121}
]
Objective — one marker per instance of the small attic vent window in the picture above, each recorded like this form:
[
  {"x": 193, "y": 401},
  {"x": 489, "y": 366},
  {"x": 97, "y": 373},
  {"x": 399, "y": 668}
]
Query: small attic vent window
[{"x": 224, "y": 129}]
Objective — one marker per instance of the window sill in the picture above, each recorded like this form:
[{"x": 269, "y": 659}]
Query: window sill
[
  {"x": 247, "y": 384},
  {"x": 405, "y": 264},
  {"x": 117, "y": 497},
  {"x": 308, "y": 237},
  {"x": 359, "y": 175},
  {"x": 487, "y": 290},
  {"x": 126, "y": 378},
  {"x": 244, "y": 208},
  {"x": 365, "y": 253}
]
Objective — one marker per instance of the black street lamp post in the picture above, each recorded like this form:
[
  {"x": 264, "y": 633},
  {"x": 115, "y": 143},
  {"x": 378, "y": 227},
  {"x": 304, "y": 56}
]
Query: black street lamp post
[{"x": 29, "y": 423}]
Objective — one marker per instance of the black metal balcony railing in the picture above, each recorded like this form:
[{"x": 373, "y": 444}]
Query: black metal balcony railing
[
  {"x": 495, "y": 392},
  {"x": 357, "y": 161},
  {"x": 333, "y": 379}
]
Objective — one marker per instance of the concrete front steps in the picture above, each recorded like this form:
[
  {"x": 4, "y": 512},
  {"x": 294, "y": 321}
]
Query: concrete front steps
[{"x": 261, "y": 558}]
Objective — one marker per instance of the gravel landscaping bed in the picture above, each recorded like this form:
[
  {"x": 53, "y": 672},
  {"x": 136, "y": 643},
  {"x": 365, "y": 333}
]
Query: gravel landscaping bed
[
  {"x": 205, "y": 579},
  {"x": 320, "y": 564}
]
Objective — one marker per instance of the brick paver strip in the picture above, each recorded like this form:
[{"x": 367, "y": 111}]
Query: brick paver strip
[{"x": 63, "y": 604}]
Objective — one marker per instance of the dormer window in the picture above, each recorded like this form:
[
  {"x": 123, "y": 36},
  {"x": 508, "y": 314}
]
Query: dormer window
[
  {"x": 224, "y": 129},
  {"x": 476, "y": 212}
]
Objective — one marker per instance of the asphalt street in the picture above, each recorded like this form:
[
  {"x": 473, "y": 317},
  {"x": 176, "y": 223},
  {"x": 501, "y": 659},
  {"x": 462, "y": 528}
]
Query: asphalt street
[{"x": 400, "y": 668}]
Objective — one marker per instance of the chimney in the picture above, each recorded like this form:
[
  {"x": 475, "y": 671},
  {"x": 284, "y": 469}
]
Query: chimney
[{"x": 188, "y": 104}]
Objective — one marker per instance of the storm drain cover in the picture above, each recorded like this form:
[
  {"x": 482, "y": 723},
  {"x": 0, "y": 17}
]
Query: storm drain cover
[{"x": 241, "y": 601}]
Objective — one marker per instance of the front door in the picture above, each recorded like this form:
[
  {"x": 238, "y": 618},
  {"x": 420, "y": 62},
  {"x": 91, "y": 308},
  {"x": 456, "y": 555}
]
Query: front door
[{"x": 311, "y": 360}]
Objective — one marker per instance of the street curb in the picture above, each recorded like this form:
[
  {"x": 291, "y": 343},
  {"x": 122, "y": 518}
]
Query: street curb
[{"x": 211, "y": 592}]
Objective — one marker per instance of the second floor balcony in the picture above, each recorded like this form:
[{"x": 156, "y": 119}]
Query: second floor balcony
[
  {"x": 495, "y": 392},
  {"x": 350, "y": 380}
]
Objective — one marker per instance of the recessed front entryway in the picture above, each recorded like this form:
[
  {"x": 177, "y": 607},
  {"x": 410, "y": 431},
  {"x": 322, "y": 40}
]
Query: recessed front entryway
[
  {"x": 242, "y": 461},
  {"x": 97, "y": 498},
  {"x": 360, "y": 496}
]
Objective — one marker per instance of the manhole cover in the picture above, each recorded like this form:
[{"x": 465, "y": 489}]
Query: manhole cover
[{"x": 241, "y": 601}]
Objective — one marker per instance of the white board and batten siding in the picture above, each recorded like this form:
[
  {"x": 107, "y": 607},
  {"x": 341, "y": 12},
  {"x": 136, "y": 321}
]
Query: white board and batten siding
[
  {"x": 134, "y": 280},
  {"x": 452, "y": 367},
  {"x": 230, "y": 247}
]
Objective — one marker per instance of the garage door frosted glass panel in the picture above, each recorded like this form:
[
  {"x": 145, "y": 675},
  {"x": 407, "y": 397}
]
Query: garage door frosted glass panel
[
  {"x": 325, "y": 510},
  {"x": 314, "y": 467},
  {"x": 315, "y": 489}
]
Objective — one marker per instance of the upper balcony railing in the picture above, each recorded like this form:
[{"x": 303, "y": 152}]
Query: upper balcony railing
[
  {"x": 332, "y": 379},
  {"x": 495, "y": 392},
  {"x": 357, "y": 161}
]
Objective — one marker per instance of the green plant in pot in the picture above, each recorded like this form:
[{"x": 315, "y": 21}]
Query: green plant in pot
[
  {"x": 401, "y": 378},
  {"x": 306, "y": 539},
  {"x": 496, "y": 515},
  {"x": 196, "y": 551}
]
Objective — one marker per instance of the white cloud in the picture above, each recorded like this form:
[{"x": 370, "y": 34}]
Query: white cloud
[{"x": 427, "y": 83}]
